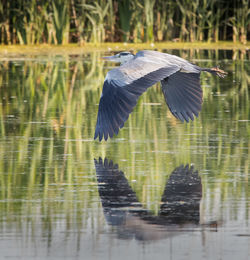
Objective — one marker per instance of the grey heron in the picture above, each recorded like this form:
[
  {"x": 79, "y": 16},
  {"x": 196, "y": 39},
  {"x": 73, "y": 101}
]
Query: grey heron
[{"x": 180, "y": 82}]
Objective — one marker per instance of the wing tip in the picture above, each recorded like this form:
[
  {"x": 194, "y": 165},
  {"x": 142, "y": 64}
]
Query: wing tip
[
  {"x": 96, "y": 135},
  {"x": 185, "y": 116},
  {"x": 103, "y": 136},
  {"x": 100, "y": 136}
]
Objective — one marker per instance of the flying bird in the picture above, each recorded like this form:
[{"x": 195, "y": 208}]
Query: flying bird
[{"x": 180, "y": 82}]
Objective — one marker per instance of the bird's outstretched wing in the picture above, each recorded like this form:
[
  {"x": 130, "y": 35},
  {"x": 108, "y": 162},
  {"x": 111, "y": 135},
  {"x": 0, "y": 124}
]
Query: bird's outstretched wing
[
  {"x": 183, "y": 94},
  {"x": 122, "y": 88}
]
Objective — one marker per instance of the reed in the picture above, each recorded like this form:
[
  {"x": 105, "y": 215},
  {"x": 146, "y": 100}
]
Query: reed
[
  {"x": 149, "y": 19},
  {"x": 62, "y": 22},
  {"x": 125, "y": 13}
]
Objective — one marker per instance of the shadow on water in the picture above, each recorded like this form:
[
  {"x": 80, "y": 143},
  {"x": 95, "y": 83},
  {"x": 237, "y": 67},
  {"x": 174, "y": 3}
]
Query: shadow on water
[
  {"x": 49, "y": 200},
  {"x": 179, "y": 210}
]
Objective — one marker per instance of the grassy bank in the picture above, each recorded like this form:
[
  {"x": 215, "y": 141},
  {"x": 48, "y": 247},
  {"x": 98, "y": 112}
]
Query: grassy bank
[{"x": 74, "y": 49}]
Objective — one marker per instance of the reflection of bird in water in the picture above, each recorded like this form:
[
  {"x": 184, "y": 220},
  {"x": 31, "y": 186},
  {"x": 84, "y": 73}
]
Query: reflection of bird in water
[
  {"x": 179, "y": 209},
  {"x": 180, "y": 82}
]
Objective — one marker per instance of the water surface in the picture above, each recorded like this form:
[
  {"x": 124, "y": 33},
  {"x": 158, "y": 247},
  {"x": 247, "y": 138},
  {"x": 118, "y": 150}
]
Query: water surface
[{"x": 53, "y": 200}]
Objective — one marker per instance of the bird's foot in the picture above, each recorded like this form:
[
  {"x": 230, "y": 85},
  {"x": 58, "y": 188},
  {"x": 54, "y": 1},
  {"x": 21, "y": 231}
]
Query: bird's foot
[{"x": 219, "y": 72}]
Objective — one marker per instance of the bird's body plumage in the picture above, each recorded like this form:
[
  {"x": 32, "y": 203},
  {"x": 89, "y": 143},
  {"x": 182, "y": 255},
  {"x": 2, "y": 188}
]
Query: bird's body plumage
[{"x": 123, "y": 86}]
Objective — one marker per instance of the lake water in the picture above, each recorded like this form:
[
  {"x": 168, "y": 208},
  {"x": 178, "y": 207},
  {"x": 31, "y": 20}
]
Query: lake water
[{"x": 160, "y": 189}]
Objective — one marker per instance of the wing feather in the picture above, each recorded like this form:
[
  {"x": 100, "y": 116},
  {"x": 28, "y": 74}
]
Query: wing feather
[
  {"x": 121, "y": 90},
  {"x": 183, "y": 95}
]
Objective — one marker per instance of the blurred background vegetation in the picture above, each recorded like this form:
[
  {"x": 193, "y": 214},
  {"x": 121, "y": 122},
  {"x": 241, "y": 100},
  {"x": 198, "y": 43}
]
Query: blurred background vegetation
[{"x": 80, "y": 21}]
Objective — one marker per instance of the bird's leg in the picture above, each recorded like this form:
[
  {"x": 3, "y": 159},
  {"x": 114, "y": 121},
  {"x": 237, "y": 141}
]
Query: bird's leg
[
  {"x": 216, "y": 71},
  {"x": 219, "y": 72}
]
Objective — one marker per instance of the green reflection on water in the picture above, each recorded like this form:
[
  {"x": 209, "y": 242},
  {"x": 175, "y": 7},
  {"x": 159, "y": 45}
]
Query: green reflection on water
[{"x": 48, "y": 113}]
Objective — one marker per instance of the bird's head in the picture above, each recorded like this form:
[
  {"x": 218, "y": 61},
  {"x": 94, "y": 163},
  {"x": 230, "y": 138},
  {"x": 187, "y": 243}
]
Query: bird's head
[{"x": 121, "y": 57}]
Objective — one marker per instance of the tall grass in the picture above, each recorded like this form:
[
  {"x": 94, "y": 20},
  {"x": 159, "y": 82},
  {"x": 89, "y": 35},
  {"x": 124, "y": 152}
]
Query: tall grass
[{"x": 61, "y": 22}]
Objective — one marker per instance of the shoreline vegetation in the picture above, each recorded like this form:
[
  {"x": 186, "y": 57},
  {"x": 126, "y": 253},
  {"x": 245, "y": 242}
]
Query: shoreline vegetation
[
  {"x": 29, "y": 22},
  {"x": 75, "y": 49}
]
